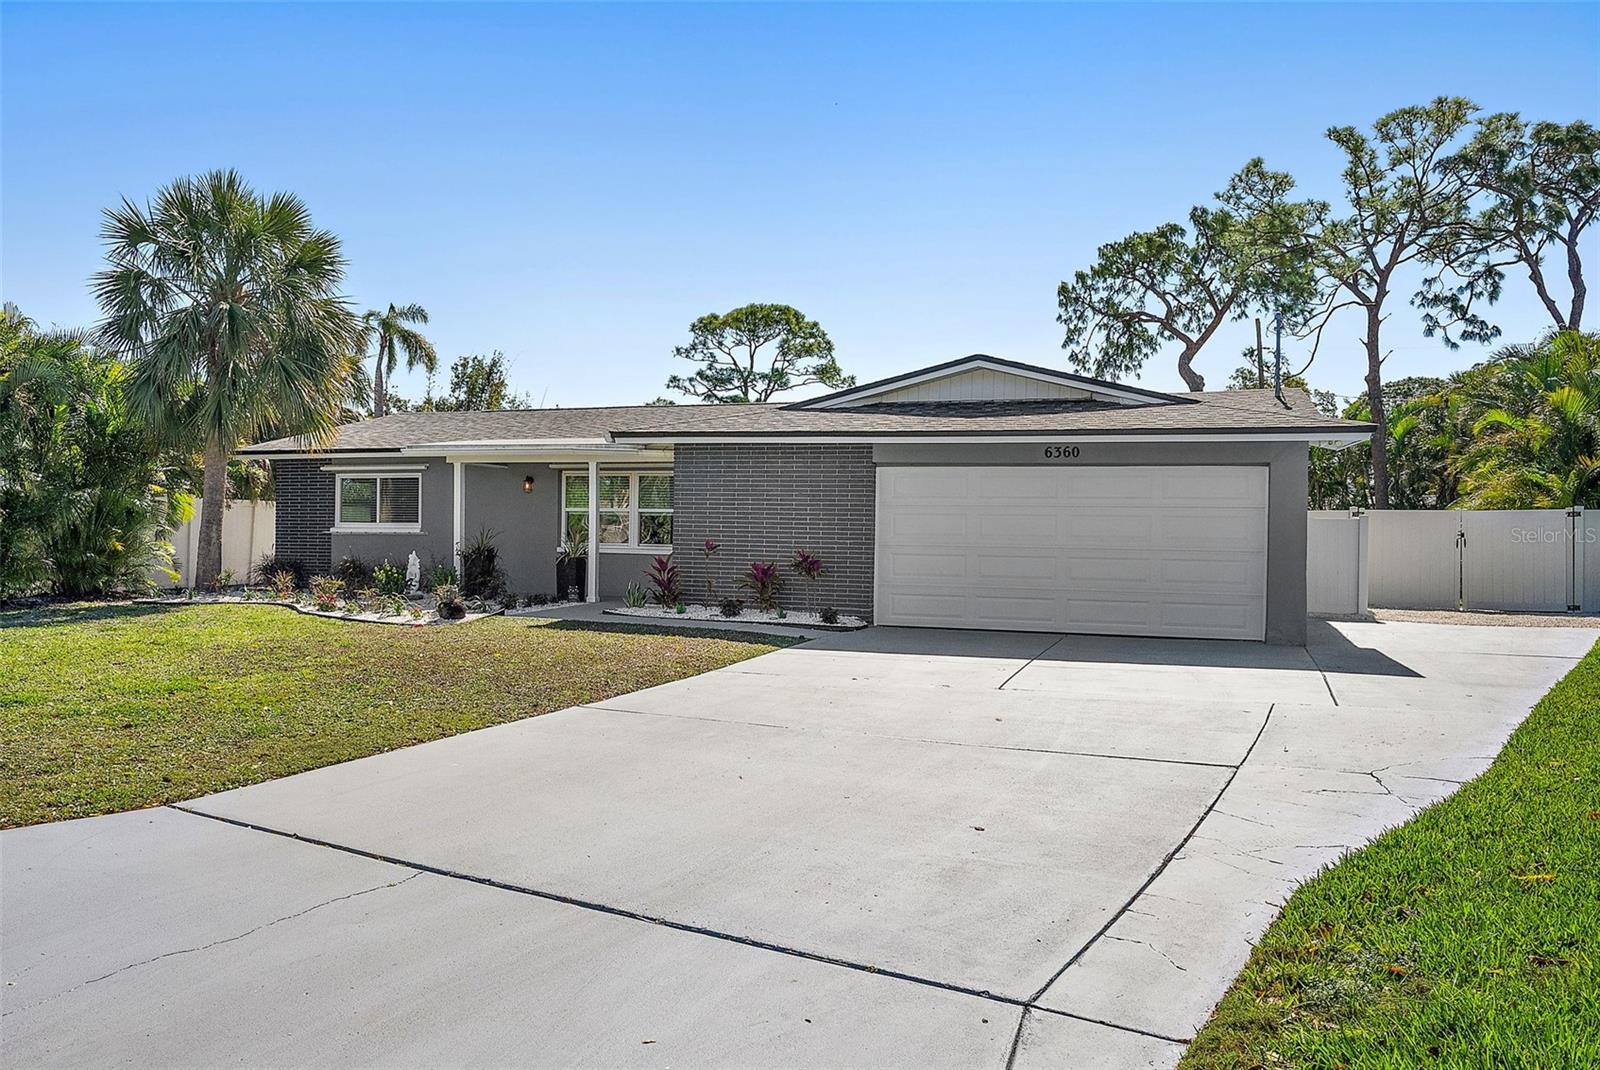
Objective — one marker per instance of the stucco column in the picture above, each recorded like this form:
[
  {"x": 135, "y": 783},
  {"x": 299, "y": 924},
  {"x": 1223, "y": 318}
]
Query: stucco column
[
  {"x": 458, "y": 515},
  {"x": 593, "y": 569}
]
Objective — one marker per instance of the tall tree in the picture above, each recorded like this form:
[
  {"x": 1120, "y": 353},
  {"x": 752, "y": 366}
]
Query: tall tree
[
  {"x": 477, "y": 384},
  {"x": 1178, "y": 284},
  {"x": 1542, "y": 187},
  {"x": 733, "y": 368},
  {"x": 226, "y": 305},
  {"x": 394, "y": 335},
  {"x": 1404, "y": 213}
]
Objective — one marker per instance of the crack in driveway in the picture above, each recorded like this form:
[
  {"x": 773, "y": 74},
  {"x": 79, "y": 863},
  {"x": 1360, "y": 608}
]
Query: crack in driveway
[{"x": 216, "y": 943}]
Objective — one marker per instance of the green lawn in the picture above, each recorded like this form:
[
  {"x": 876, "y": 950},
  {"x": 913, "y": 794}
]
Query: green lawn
[
  {"x": 113, "y": 708},
  {"x": 1469, "y": 937}
]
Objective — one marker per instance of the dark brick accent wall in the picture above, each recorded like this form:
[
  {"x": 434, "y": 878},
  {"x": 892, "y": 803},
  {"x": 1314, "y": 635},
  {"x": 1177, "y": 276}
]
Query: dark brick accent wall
[
  {"x": 305, "y": 513},
  {"x": 761, "y": 503}
]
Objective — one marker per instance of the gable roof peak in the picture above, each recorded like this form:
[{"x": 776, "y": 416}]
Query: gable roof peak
[{"x": 1032, "y": 381}]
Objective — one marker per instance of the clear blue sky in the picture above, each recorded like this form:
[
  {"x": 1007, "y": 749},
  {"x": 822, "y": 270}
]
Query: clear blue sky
[{"x": 574, "y": 185}]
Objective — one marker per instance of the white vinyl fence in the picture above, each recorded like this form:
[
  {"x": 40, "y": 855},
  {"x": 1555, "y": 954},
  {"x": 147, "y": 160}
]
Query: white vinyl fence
[
  {"x": 1516, "y": 559},
  {"x": 248, "y": 532}
]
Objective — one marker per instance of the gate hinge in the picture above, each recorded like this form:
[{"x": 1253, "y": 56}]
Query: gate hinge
[{"x": 1573, "y": 608}]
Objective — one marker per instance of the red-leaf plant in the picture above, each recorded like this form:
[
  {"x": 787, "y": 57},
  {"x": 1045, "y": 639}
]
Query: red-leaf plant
[
  {"x": 762, "y": 580},
  {"x": 663, "y": 575}
]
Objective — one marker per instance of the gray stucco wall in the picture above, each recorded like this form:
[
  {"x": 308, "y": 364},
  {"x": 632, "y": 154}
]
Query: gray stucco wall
[
  {"x": 761, "y": 503},
  {"x": 433, "y": 545},
  {"x": 526, "y": 526},
  {"x": 1286, "y": 498}
]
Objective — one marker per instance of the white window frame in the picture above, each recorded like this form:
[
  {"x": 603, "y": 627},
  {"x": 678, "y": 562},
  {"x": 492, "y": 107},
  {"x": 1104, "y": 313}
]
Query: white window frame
[
  {"x": 339, "y": 524},
  {"x": 632, "y": 546}
]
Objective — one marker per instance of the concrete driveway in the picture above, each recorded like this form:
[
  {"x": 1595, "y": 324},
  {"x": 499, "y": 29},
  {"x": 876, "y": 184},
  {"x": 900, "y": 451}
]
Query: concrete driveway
[{"x": 890, "y": 848}]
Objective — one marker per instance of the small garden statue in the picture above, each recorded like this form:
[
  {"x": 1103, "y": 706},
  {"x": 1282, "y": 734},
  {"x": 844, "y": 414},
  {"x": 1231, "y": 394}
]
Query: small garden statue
[{"x": 413, "y": 573}]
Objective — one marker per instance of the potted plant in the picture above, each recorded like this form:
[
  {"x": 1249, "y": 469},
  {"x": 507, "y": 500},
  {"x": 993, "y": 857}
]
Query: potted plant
[{"x": 572, "y": 568}]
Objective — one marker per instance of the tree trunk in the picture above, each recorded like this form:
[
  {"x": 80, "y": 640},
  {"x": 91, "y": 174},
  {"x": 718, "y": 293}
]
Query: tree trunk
[
  {"x": 1261, "y": 358},
  {"x": 378, "y": 407},
  {"x": 1380, "y": 415},
  {"x": 1579, "y": 290},
  {"x": 214, "y": 495},
  {"x": 1193, "y": 379}
]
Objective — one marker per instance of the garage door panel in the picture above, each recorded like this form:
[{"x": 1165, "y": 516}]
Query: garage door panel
[
  {"x": 1212, "y": 529},
  {"x": 1134, "y": 550},
  {"x": 1022, "y": 486},
  {"x": 936, "y": 527},
  {"x": 1020, "y": 608},
  {"x": 1111, "y": 527},
  {"x": 1240, "y": 574},
  {"x": 1081, "y": 570},
  {"x": 928, "y": 484},
  {"x": 1041, "y": 568},
  {"x": 908, "y": 565},
  {"x": 1108, "y": 486},
  {"x": 1206, "y": 486},
  {"x": 1018, "y": 527}
]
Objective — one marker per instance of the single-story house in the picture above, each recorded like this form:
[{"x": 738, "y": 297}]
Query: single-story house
[{"x": 979, "y": 493}]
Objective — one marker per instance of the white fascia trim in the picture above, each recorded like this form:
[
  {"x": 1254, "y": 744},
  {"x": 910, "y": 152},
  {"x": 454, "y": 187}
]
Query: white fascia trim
[
  {"x": 365, "y": 468},
  {"x": 508, "y": 445},
  {"x": 1315, "y": 438},
  {"x": 862, "y": 393},
  {"x": 325, "y": 455}
]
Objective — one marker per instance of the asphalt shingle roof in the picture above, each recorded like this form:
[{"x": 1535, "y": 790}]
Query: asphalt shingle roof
[{"x": 1210, "y": 412}]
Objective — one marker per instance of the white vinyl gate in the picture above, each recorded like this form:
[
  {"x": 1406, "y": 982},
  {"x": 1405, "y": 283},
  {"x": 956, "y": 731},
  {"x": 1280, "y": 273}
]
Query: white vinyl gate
[{"x": 1533, "y": 560}]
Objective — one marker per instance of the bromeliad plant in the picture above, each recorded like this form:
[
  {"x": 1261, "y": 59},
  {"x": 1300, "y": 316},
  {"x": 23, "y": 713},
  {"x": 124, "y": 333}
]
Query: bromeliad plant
[
  {"x": 326, "y": 592},
  {"x": 665, "y": 578},
  {"x": 762, "y": 581},
  {"x": 635, "y": 596}
]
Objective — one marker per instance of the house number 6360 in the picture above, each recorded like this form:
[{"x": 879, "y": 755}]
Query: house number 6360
[{"x": 1061, "y": 453}]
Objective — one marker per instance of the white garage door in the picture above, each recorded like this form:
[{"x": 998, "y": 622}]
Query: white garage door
[{"x": 1178, "y": 551}]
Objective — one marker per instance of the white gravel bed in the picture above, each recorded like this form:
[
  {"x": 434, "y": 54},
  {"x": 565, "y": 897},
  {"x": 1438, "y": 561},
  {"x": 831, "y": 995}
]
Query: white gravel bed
[{"x": 799, "y": 618}]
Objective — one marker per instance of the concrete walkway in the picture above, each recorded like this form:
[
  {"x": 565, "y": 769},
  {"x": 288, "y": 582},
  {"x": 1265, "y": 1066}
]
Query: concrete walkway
[{"x": 887, "y": 848}]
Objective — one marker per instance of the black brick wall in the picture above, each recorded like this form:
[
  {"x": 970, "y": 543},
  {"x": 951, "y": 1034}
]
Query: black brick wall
[
  {"x": 305, "y": 513},
  {"x": 761, "y": 503}
]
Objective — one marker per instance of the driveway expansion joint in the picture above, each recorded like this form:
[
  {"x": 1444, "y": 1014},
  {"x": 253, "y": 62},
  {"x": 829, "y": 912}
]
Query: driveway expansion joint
[
  {"x": 420, "y": 868},
  {"x": 1134, "y": 898},
  {"x": 1058, "y": 641},
  {"x": 914, "y": 739}
]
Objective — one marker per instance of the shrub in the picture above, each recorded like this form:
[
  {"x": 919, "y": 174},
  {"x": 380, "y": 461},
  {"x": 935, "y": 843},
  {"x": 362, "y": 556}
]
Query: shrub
[
  {"x": 271, "y": 565},
  {"x": 223, "y": 581},
  {"x": 538, "y": 599},
  {"x": 448, "y": 602},
  {"x": 82, "y": 505},
  {"x": 440, "y": 575},
  {"x": 664, "y": 576},
  {"x": 828, "y": 615},
  {"x": 762, "y": 580},
  {"x": 325, "y": 592},
  {"x": 732, "y": 607},
  {"x": 389, "y": 578},
  {"x": 353, "y": 571},
  {"x": 634, "y": 597},
  {"x": 481, "y": 574},
  {"x": 283, "y": 583},
  {"x": 681, "y": 608}
]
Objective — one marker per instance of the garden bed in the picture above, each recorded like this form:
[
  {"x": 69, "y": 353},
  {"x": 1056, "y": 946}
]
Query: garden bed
[
  {"x": 794, "y": 619},
  {"x": 420, "y": 611}
]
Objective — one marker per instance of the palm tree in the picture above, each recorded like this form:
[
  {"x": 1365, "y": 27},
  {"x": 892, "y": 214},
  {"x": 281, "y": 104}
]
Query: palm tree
[
  {"x": 395, "y": 337},
  {"x": 1539, "y": 447},
  {"x": 226, "y": 306}
]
